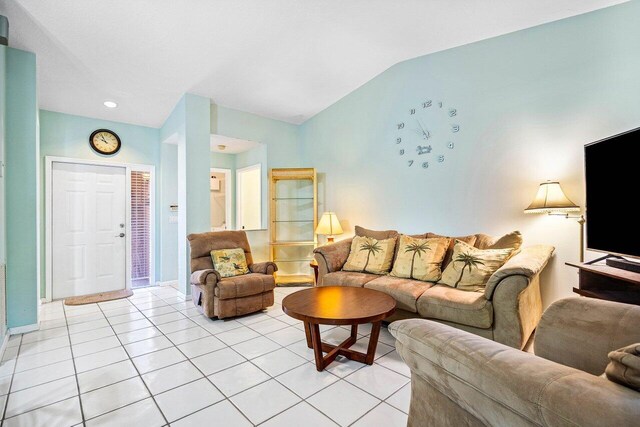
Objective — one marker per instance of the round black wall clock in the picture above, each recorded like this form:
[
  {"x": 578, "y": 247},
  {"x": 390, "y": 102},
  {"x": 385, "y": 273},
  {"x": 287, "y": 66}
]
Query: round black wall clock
[
  {"x": 105, "y": 141},
  {"x": 427, "y": 134}
]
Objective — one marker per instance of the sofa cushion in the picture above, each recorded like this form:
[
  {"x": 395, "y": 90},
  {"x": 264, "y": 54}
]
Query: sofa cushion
[
  {"x": 471, "y": 267},
  {"x": 370, "y": 255},
  {"x": 446, "y": 303},
  {"x": 471, "y": 240},
  {"x": 405, "y": 291},
  {"x": 347, "y": 278},
  {"x": 378, "y": 235},
  {"x": 420, "y": 259},
  {"x": 245, "y": 285}
]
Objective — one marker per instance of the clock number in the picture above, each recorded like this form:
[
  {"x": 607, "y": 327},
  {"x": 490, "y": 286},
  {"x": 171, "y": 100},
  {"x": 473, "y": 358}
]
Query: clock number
[
  {"x": 412, "y": 111},
  {"x": 398, "y": 140},
  {"x": 425, "y": 165},
  {"x": 441, "y": 158},
  {"x": 400, "y": 126},
  {"x": 427, "y": 104},
  {"x": 453, "y": 112},
  {"x": 450, "y": 145},
  {"x": 402, "y": 152},
  {"x": 410, "y": 163},
  {"x": 455, "y": 128},
  {"x": 440, "y": 104}
]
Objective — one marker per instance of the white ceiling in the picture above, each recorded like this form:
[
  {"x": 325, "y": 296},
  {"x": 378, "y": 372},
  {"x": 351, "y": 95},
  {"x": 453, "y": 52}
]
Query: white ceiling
[
  {"x": 232, "y": 145},
  {"x": 284, "y": 59}
]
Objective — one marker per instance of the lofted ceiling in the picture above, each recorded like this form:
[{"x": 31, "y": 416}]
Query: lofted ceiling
[{"x": 283, "y": 59}]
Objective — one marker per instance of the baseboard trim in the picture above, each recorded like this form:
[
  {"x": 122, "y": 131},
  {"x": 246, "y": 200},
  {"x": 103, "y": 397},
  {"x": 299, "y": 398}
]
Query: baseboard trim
[{"x": 24, "y": 329}]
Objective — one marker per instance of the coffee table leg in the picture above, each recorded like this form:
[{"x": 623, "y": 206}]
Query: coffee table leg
[
  {"x": 317, "y": 346},
  {"x": 354, "y": 332},
  {"x": 373, "y": 342},
  {"x": 307, "y": 333}
]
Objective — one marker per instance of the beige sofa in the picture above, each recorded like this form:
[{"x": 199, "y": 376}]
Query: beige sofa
[
  {"x": 460, "y": 379},
  {"x": 507, "y": 311}
]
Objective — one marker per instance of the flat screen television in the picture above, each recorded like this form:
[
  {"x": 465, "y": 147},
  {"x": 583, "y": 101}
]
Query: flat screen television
[{"x": 612, "y": 173}]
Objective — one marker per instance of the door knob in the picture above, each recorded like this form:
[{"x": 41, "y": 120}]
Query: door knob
[{"x": 120, "y": 235}]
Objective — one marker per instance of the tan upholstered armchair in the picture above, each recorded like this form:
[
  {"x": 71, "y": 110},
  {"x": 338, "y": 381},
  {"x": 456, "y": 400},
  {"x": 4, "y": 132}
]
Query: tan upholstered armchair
[
  {"x": 220, "y": 297},
  {"x": 458, "y": 378}
]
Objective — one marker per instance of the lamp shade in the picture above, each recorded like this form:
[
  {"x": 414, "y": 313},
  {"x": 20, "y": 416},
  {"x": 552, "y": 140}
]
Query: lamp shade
[
  {"x": 551, "y": 199},
  {"x": 329, "y": 224}
]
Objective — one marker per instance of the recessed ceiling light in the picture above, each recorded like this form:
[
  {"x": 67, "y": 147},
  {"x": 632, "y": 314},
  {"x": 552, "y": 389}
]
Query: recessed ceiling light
[
  {"x": 222, "y": 147},
  {"x": 110, "y": 104}
]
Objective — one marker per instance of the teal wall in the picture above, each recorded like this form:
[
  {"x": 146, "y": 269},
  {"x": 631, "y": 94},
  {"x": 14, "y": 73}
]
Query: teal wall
[
  {"x": 3, "y": 237},
  {"x": 527, "y": 102},
  {"x": 168, "y": 257},
  {"x": 65, "y": 135},
  {"x": 21, "y": 197}
]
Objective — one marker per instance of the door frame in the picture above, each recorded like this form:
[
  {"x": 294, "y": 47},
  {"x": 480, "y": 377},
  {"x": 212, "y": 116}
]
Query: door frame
[
  {"x": 128, "y": 167},
  {"x": 228, "y": 195},
  {"x": 258, "y": 167}
]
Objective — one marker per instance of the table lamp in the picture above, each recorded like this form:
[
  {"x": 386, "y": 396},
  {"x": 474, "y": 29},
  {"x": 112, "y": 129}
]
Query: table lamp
[
  {"x": 551, "y": 200},
  {"x": 329, "y": 226}
]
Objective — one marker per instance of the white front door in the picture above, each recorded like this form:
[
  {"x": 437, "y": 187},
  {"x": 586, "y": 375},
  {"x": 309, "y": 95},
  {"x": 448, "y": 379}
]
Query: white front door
[{"x": 88, "y": 236}]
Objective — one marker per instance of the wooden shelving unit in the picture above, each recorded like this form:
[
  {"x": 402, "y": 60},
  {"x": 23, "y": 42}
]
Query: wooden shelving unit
[{"x": 293, "y": 217}]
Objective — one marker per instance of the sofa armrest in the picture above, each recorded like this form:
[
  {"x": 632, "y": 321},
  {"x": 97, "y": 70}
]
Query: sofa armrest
[
  {"x": 267, "y": 267},
  {"x": 333, "y": 256},
  {"x": 205, "y": 277},
  {"x": 499, "y": 385},
  {"x": 529, "y": 262},
  {"x": 580, "y": 332}
]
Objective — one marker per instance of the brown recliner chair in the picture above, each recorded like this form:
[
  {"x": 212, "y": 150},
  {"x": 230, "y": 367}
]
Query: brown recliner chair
[{"x": 221, "y": 297}]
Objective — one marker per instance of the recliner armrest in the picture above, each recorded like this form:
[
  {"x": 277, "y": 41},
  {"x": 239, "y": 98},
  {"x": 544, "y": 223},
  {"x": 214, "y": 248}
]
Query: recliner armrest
[
  {"x": 205, "y": 277},
  {"x": 267, "y": 267},
  {"x": 528, "y": 262}
]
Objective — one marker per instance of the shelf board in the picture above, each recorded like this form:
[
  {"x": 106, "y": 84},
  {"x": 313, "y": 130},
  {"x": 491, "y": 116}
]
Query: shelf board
[
  {"x": 293, "y": 243},
  {"x": 288, "y": 279}
]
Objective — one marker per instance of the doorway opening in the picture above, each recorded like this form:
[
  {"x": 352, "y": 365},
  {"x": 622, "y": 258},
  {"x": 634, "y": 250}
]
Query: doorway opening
[
  {"x": 249, "y": 198},
  {"x": 140, "y": 229},
  {"x": 220, "y": 198}
]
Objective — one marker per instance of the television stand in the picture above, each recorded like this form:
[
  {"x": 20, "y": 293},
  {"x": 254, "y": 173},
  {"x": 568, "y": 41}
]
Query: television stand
[{"x": 609, "y": 283}]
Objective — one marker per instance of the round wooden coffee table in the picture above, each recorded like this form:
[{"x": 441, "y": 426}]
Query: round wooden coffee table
[{"x": 337, "y": 305}]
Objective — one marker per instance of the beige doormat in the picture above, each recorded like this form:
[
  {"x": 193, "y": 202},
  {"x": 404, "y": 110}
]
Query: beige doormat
[{"x": 99, "y": 297}]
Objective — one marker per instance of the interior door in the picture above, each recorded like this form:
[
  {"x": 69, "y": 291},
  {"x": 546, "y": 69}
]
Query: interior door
[{"x": 89, "y": 232}]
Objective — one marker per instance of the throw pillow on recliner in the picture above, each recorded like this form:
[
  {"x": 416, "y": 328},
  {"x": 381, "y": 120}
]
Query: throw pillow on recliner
[
  {"x": 420, "y": 259},
  {"x": 471, "y": 268},
  {"x": 229, "y": 262},
  {"x": 370, "y": 255}
]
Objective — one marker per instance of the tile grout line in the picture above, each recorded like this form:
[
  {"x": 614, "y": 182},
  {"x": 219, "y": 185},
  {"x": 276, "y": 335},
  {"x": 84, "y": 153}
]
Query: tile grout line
[
  {"x": 6, "y": 403},
  {"x": 139, "y": 376},
  {"x": 73, "y": 361}
]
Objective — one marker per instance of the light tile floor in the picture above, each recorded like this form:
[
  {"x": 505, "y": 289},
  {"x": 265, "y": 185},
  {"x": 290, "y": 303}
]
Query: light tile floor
[{"x": 153, "y": 360}]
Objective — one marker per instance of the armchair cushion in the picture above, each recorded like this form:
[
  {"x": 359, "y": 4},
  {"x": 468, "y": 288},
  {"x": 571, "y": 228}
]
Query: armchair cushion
[
  {"x": 263, "y": 267},
  {"x": 454, "y": 305},
  {"x": 245, "y": 285},
  {"x": 528, "y": 262}
]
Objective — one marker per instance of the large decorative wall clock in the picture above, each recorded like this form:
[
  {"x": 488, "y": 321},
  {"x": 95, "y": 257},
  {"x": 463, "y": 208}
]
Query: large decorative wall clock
[
  {"x": 105, "y": 141},
  {"x": 427, "y": 135}
]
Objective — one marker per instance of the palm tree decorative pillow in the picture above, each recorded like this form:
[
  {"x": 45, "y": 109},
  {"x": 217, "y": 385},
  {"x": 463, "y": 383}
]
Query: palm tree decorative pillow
[
  {"x": 420, "y": 259},
  {"x": 471, "y": 268},
  {"x": 370, "y": 255}
]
